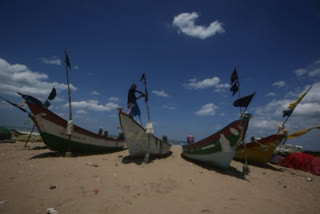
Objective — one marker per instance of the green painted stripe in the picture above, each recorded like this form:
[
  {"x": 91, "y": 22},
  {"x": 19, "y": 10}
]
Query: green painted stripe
[
  {"x": 60, "y": 144},
  {"x": 233, "y": 139}
]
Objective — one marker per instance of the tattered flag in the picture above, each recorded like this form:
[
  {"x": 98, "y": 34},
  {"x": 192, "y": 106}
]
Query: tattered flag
[
  {"x": 287, "y": 113},
  {"x": 67, "y": 61},
  {"x": 52, "y": 94},
  {"x": 301, "y": 132},
  {"x": 143, "y": 77},
  {"x": 294, "y": 104},
  {"x": 234, "y": 76},
  {"x": 234, "y": 88},
  {"x": 243, "y": 101}
]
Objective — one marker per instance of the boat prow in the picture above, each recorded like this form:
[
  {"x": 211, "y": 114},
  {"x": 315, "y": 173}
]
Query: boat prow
[
  {"x": 52, "y": 129},
  {"x": 218, "y": 149},
  {"x": 259, "y": 151},
  {"x": 140, "y": 143}
]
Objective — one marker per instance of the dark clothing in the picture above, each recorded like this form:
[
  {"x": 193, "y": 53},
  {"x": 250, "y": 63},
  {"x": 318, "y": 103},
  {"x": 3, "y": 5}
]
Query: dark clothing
[
  {"x": 133, "y": 108},
  {"x": 132, "y": 97}
]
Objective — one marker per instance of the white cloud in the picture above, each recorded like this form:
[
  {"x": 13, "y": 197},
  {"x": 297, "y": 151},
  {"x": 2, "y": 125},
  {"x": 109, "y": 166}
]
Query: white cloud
[
  {"x": 114, "y": 99},
  {"x": 17, "y": 77},
  {"x": 93, "y": 105},
  {"x": 168, "y": 107},
  {"x": 301, "y": 71},
  {"x": 271, "y": 94},
  {"x": 53, "y": 61},
  {"x": 306, "y": 114},
  {"x": 185, "y": 22},
  {"x": 95, "y": 93},
  {"x": 313, "y": 95},
  {"x": 81, "y": 111},
  {"x": 161, "y": 93},
  {"x": 262, "y": 123},
  {"x": 279, "y": 84},
  {"x": 312, "y": 70},
  {"x": 207, "y": 83},
  {"x": 208, "y": 109}
]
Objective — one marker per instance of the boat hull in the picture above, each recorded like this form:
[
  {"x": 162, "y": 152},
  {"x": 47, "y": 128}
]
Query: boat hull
[
  {"x": 259, "y": 151},
  {"x": 138, "y": 142},
  {"x": 218, "y": 149},
  {"x": 52, "y": 129}
]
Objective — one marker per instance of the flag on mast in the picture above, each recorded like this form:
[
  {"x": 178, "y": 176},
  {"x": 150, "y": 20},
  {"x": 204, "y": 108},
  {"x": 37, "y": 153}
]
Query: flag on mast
[
  {"x": 295, "y": 103},
  {"x": 243, "y": 101},
  {"x": 67, "y": 61},
  {"x": 234, "y": 82}
]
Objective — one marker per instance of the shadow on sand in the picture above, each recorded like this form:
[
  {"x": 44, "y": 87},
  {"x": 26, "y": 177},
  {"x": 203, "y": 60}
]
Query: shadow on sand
[
  {"x": 262, "y": 165},
  {"x": 231, "y": 171},
  {"x": 53, "y": 154},
  {"x": 139, "y": 160},
  {"x": 38, "y": 148}
]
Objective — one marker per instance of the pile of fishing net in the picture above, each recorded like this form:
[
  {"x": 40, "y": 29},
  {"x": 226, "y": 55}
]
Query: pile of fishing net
[{"x": 302, "y": 161}]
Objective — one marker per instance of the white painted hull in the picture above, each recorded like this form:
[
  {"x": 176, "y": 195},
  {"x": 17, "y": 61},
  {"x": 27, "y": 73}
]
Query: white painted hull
[
  {"x": 138, "y": 142},
  {"x": 219, "y": 159}
]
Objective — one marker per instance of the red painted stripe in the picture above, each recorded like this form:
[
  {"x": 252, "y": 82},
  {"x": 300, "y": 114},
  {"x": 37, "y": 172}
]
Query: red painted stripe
[
  {"x": 52, "y": 117},
  {"x": 276, "y": 138}
]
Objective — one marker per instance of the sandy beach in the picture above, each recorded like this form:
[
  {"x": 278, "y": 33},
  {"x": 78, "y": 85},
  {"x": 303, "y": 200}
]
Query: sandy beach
[{"x": 35, "y": 178}]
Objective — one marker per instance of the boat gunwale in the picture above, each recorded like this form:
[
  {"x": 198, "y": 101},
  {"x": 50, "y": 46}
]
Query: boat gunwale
[
  {"x": 125, "y": 114},
  {"x": 215, "y": 136},
  {"x": 264, "y": 141},
  {"x": 59, "y": 121}
]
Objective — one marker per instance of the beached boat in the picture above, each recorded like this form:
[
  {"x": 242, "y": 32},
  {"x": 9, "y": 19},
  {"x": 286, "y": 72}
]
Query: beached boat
[
  {"x": 219, "y": 149},
  {"x": 259, "y": 151},
  {"x": 139, "y": 142},
  {"x": 52, "y": 129},
  {"x": 286, "y": 149}
]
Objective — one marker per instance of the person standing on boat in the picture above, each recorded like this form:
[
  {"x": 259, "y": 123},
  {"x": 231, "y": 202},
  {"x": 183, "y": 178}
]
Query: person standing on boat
[{"x": 133, "y": 108}]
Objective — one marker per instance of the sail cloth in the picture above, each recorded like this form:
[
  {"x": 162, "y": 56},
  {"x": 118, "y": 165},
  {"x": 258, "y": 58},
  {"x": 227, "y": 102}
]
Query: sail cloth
[
  {"x": 243, "y": 101},
  {"x": 301, "y": 132}
]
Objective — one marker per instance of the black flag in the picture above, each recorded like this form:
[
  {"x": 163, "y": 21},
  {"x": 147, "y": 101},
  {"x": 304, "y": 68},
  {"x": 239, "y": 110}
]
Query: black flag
[
  {"x": 286, "y": 113},
  {"x": 243, "y": 101},
  {"x": 234, "y": 88},
  {"x": 67, "y": 61},
  {"x": 143, "y": 77},
  {"x": 234, "y": 76},
  {"x": 52, "y": 94}
]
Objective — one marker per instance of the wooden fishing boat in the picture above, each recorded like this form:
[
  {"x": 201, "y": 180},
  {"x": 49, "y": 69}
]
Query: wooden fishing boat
[
  {"x": 259, "y": 151},
  {"x": 219, "y": 149},
  {"x": 52, "y": 129},
  {"x": 140, "y": 143}
]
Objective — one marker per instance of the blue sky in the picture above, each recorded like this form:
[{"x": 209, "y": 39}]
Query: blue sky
[{"x": 188, "y": 50}]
